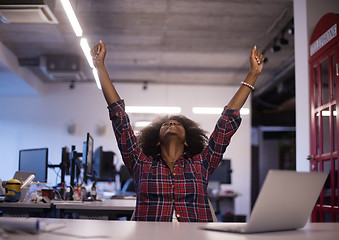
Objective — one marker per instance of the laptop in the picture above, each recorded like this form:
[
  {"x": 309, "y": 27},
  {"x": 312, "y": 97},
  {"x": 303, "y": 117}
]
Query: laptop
[
  {"x": 285, "y": 202},
  {"x": 22, "y": 175}
]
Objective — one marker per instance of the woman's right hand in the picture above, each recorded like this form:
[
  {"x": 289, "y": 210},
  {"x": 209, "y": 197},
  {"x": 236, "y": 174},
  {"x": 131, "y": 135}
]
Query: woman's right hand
[{"x": 98, "y": 53}]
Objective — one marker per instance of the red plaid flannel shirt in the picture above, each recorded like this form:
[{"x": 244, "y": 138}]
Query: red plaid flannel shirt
[{"x": 159, "y": 192}]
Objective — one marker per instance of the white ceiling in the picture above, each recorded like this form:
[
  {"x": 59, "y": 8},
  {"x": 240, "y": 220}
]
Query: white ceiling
[{"x": 157, "y": 41}]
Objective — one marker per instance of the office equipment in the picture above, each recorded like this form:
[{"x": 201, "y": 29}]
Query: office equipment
[
  {"x": 28, "y": 181},
  {"x": 34, "y": 160},
  {"x": 65, "y": 163},
  {"x": 22, "y": 175},
  {"x": 26, "y": 186},
  {"x": 103, "y": 165},
  {"x": 108, "y": 209},
  {"x": 76, "y": 166},
  {"x": 222, "y": 173},
  {"x": 285, "y": 202},
  {"x": 2, "y": 188},
  {"x": 87, "y": 158}
]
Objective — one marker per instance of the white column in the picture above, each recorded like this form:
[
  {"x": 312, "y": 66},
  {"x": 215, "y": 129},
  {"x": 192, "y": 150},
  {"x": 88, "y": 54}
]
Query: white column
[{"x": 302, "y": 107}]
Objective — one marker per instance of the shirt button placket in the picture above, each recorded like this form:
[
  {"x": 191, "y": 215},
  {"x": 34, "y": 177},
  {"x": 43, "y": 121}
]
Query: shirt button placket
[{"x": 173, "y": 194}]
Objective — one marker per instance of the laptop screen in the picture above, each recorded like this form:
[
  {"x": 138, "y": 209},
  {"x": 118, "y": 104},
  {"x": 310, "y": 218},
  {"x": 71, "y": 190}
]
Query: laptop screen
[{"x": 34, "y": 160}]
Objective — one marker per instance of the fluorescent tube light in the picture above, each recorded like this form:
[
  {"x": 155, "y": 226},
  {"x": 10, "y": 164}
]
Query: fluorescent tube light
[
  {"x": 207, "y": 110},
  {"x": 72, "y": 18},
  {"x": 216, "y": 110},
  {"x": 78, "y": 32},
  {"x": 244, "y": 111},
  {"x": 96, "y": 78},
  {"x": 141, "y": 124},
  {"x": 153, "y": 109},
  {"x": 87, "y": 51}
]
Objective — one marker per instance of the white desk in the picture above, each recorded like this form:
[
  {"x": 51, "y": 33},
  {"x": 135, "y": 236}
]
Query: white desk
[
  {"x": 25, "y": 209},
  {"x": 97, "y": 229},
  {"x": 104, "y": 210}
]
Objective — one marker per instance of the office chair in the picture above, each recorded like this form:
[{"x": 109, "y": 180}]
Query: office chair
[
  {"x": 124, "y": 175},
  {"x": 128, "y": 187},
  {"x": 214, "y": 217}
]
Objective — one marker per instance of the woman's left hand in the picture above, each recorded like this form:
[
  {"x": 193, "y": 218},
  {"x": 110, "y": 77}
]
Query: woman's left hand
[{"x": 257, "y": 61}]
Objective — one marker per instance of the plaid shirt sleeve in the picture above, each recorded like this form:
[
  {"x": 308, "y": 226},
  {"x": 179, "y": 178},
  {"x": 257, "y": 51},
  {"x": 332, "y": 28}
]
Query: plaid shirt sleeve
[
  {"x": 226, "y": 126},
  {"x": 127, "y": 142}
]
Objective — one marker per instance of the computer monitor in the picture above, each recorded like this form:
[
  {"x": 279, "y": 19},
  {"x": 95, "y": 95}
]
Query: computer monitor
[
  {"x": 34, "y": 160},
  {"x": 65, "y": 163},
  {"x": 222, "y": 173},
  {"x": 103, "y": 165},
  {"x": 87, "y": 158}
]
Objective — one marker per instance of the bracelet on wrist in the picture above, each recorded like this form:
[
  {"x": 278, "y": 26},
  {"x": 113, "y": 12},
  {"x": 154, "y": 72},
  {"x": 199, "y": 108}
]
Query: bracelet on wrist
[{"x": 248, "y": 85}]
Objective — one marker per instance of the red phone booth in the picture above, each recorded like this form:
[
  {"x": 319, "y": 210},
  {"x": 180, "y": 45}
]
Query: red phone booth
[{"x": 324, "y": 79}]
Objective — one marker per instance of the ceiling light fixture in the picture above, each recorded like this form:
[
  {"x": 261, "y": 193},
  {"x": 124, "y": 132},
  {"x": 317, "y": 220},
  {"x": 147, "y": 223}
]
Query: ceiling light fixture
[
  {"x": 96, "y": 78},
  {"x": 72, "y": 17},
  {"x": 87, "y": 51},
  {"x": 153, "y": 109},
  {"x": 216, "y": 110},
  {"x": 207, "y": 110},
  {"x": 83, "y": 41},
  {"x": 141, "y": 124},
  {"x": 290, "y": 31},
  {"x": 283, "y": 40},
  {"x": 280, "y": 39},
  {"x": 275, "y": 47}
]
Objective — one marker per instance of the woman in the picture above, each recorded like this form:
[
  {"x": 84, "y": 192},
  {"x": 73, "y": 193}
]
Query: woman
[{"x": 171, "y": 171}]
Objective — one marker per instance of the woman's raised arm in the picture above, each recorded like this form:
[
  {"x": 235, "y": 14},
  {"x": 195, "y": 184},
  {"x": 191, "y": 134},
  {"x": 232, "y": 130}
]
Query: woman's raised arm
[
  {"x": 98, "y": 53},
  {"x": 256, "y": 60}
]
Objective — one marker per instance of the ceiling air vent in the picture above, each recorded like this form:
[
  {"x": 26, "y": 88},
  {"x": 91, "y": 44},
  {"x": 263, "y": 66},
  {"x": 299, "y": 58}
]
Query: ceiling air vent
[
  {"x": 26, "y": 14},
  {"x": 62, "y": 68}
]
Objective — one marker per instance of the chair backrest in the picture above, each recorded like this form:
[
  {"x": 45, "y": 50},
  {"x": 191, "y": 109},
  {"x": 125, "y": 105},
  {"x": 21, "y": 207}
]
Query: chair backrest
[
  {"x": 215, "y": 219},
  {"x": 128, "y": 186}
]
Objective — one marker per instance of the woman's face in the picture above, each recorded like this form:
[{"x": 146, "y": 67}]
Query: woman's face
[{"x": 172, "y": 128}]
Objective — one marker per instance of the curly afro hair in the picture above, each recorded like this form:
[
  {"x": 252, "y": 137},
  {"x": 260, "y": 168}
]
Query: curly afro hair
[{"x": 195, "y": 136}]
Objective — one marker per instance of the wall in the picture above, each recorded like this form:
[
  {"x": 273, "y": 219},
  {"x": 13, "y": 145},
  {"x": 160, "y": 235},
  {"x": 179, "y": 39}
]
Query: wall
[
  {"x": 269, "y": 148},
  {"x": 41, "y": 121}
]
